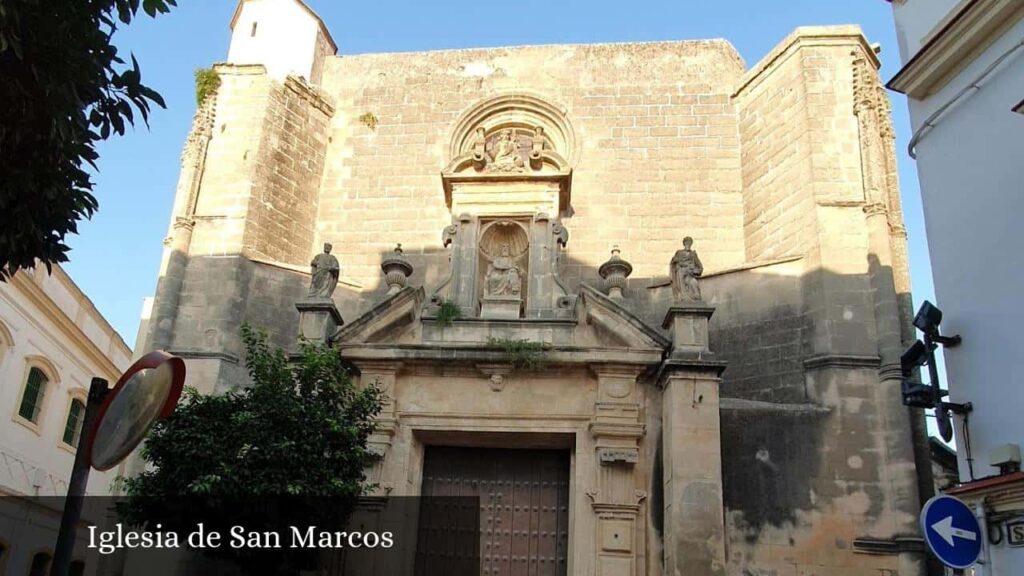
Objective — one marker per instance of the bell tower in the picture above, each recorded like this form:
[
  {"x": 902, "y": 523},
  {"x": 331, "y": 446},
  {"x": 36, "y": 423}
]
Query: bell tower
[{"x": 285, "y": 36}]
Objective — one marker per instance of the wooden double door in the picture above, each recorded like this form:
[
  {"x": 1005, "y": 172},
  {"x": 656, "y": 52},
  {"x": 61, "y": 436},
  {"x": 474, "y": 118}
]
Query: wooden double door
[{"x": 519, "y": 521}]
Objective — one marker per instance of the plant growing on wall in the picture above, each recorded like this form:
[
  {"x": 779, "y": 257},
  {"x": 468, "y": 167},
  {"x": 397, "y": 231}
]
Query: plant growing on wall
[
  {"x": 289, "y": 449},
  {"x": 369, "y": 119},
  {"x": 207, "y": 82},
  {"x": 447, "y": 313},
  {"x": 523, "y": 354}
]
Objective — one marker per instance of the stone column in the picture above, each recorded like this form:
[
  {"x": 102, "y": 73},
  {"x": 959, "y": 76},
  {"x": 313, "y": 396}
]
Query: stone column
[{"x": 694, "y": 536}]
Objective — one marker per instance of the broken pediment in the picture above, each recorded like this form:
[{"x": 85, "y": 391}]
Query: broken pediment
[
  {"x": 387, "y": 322},
  {"x": 600, "y": 326},
  {"x": 614, "y": 323}
]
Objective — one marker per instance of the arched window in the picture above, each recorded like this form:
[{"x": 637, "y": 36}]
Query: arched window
[
  {"x": 40, "y": 564},
  {"x": 77, "y": 568},
  {"x": 32, "y": 396},
  {"x": 73, "y": 424}
]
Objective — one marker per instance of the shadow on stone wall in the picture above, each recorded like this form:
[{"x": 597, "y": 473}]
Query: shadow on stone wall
[{"x": 802, "y": 428}]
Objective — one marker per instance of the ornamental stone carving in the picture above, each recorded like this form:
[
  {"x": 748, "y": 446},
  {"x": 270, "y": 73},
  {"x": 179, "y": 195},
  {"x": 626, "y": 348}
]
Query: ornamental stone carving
[
  {"x": 615, "y": 273},
  {"x": 396, "y": 270}
]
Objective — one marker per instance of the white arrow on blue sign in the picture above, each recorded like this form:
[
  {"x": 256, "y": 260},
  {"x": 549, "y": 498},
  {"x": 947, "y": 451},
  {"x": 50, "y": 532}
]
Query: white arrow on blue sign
[{"x": 951, "y": 531}]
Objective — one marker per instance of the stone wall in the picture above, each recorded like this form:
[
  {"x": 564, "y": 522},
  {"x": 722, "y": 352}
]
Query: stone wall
[{"x": 657, "y": 153}]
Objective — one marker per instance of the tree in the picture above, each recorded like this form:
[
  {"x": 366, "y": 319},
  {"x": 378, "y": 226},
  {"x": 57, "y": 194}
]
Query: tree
[
  {"x": 289, "y": 450},
  {"x": 63, "y": 89}
]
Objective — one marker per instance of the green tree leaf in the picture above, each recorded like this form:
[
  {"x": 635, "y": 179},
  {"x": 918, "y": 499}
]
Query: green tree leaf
[
  {"x": 63, "y": 88},
  {"x": 299, "y": 430}
]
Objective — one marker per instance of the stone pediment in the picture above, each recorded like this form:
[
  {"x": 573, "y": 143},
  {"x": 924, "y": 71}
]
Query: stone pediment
[
  {"x": 614, "y": 321},
  {"x": 389, "y": 321},
  {"x": 600, "y": 330}
]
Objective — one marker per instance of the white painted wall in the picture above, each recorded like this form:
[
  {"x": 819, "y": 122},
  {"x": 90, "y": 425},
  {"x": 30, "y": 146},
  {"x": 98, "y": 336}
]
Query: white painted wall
[
  {"x": 971, "y": 169},
  {"x": 916, "y": 19},
  {"x": 284, "y": 39},
  {"x": 46, "y": 320},
  {"x": 33, "y": 459}
]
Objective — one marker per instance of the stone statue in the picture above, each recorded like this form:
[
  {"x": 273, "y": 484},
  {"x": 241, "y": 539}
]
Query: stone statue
[
  {"x": 506, "y": 153},
  {"x": 324, "y": 274},
  {"x": 684, "y": 270},
  {"x": 503, "y": 275}
]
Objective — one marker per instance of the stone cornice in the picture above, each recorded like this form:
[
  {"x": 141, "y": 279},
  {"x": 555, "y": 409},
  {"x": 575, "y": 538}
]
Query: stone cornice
[
  {"x": 80, "y": 342},
  {"x": 311, "y": 94},
  {"x": 450, "y": 353},
  {"x": 955, "y": 45},
  {"x": 842, "y": 361},
  {"x": 663, "y": 281},
  {"x": 195, "y": 354}
]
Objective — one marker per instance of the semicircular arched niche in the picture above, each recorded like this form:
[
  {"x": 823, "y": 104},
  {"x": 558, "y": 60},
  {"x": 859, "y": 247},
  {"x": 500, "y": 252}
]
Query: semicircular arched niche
[{"x": 518, "y": 142}]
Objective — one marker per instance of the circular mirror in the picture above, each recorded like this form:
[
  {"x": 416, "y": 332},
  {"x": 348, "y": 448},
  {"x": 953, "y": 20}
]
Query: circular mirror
[{"x": 135, "y": 404}]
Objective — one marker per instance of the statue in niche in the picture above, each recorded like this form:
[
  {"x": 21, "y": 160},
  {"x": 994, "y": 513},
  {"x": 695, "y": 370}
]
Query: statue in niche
[
  {"x": 324, "y": 272},
  {"x": 505, "y": 153},
  {"x": 503, "y": 278},
  {"x": 684, "y": 270}
]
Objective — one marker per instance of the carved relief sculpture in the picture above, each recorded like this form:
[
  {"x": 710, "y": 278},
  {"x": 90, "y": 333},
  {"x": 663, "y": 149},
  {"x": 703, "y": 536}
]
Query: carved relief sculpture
[
  {"x": 480, "y": 156},
  {"x": 506, "y": 154},
  {"x": 684, "y": 269},
  {"x": 503, "y": 278},
  {"x": 324, "y": 273}
]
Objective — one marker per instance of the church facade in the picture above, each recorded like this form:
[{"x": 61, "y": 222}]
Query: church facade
[{"x": 645, "y": 301}]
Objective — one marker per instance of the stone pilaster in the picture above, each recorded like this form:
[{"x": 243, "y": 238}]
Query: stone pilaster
[
  {"x": 381, "y": 375},
  {"x": 692, "y": 447},
  {"x": 464, "y": 264},
  {"x": 617, "y": 430}
]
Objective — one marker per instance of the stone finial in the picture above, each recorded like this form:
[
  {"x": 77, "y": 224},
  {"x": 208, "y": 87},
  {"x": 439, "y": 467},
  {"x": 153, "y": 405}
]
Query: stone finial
[
  {"x": 614, "y": 272},
  {"x": 396, "y": 270}
]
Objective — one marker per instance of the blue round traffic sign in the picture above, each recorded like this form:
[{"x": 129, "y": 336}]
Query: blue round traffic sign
[{"x": 951, "y": 531}]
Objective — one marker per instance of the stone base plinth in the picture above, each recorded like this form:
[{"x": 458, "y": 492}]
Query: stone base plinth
[
  {"x": 502, "y": 307},
  {"x": 688, "y": 327},
  {"x": 318, "y": 319}
]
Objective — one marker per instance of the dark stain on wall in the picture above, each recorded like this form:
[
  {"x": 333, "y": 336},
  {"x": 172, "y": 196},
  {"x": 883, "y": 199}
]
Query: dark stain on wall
[{"x": 771, "y": 456}]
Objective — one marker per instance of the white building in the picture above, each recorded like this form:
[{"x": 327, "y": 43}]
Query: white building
[
  {"x": 53, "y": 341},
  {"x": 963, "y": 74}
]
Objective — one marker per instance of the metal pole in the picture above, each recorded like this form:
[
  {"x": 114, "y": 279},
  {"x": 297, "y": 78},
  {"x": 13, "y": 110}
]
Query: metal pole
[{"x": 65, "y": 547}]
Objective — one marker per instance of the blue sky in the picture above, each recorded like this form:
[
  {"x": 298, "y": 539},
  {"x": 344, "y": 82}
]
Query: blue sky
[{"x": 116, "y": 257}]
